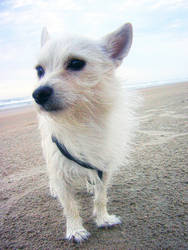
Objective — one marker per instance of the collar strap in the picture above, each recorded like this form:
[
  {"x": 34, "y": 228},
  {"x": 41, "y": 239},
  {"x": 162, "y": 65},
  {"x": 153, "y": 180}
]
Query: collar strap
[{"x": 66, "y": 153}]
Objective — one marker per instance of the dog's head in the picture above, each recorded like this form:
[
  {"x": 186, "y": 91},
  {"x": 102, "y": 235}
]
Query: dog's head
[{"x": 74, "y": 72}]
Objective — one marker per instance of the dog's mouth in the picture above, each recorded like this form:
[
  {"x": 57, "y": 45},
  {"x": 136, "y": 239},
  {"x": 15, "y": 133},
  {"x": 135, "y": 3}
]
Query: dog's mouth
[{"x": 49, "y": 107}]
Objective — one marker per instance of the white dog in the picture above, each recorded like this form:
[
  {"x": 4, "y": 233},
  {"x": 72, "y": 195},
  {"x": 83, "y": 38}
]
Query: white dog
[{"x": 86, "y": 119}]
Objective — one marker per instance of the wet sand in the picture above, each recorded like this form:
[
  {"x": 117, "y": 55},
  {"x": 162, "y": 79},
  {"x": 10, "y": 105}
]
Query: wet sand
[{"x": 149, "y": 194}]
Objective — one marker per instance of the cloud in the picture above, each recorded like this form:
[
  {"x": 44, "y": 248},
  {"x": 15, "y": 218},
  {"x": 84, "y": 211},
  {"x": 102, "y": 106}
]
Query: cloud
[
  {"x": 34, "y": 14},
  {"x": 171, "y": 4},
  {"x": 153, "y": 57},
  {"x": 153, "y": 4},
  {"x": 63, "y": 4}
]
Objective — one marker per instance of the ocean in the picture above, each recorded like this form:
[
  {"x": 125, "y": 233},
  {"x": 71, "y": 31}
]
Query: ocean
[{"x": 18, "y": 102}]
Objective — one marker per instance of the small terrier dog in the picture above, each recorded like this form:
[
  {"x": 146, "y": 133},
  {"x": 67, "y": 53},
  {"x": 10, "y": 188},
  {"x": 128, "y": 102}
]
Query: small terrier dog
[{"x": 86, "y": 118}]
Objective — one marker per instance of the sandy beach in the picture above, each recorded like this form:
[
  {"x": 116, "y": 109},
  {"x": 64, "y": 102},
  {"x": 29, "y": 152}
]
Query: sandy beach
[{"x": 149, "y": 194}]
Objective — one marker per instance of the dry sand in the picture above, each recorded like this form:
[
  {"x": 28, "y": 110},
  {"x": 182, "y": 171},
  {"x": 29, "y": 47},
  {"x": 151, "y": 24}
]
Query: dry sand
[{"x": 149, "y": 194}]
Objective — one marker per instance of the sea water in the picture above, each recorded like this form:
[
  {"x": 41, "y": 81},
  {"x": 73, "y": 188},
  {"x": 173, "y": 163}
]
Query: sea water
[{"x": 17, "y": 102}]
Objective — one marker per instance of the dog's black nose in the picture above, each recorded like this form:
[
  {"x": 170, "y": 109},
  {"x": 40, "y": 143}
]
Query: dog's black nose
[{"x": 42, "y": 94}]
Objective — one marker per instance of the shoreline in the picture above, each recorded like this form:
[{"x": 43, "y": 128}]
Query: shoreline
[
  {"x": 12, "y": 110},
  {"x": 29, "y": 107}
]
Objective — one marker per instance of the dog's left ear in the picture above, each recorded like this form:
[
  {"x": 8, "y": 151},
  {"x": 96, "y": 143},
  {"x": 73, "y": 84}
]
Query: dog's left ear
[
  {"x": 44, "y": 36},
  {"x": 118, "y": 43}
]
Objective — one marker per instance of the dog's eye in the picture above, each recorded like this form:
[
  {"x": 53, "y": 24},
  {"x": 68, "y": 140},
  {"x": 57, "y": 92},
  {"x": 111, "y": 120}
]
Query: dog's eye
[
  {"x": 76, "y": 64},
  {"x": 40, "y": 71}
]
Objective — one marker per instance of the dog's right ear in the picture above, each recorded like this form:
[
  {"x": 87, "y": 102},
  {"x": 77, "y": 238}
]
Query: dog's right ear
[{"x": 44, "y": 36}]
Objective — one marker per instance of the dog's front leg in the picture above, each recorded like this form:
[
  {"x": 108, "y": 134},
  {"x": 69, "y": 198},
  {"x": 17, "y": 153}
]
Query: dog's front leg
[
  {"x": 74, "y": 228},
  {"x": 52, "y": 188},
  {"x": 103, "y": 218}
]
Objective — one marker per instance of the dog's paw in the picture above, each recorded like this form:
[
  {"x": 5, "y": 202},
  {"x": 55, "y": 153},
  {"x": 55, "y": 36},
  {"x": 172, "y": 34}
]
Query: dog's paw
[
  {"x": 53, "y": 192},
  {"x": 77, "y": 235},
  {"x": 90, "y": 188},
  {"x": 108, "y": 221}
]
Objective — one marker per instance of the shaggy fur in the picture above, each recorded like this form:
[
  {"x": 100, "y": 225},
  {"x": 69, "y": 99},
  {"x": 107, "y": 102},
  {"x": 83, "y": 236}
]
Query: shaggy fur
[{"x": 91, "y": 113}]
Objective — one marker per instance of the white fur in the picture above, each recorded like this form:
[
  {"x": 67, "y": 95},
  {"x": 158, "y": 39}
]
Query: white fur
[{"x": 96, "y": 123}]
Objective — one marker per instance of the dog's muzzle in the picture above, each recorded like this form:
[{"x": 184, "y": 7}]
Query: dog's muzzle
[{"x": 42, "y": 94}]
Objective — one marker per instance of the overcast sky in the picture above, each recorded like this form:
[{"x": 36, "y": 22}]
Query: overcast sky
[{"x": 159, "y": 51}]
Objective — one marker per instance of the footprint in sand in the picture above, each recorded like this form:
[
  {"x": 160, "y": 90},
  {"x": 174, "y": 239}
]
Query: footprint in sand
[
  {"x": 160, "y": 137},
  {"x": 172, "y": 114}
]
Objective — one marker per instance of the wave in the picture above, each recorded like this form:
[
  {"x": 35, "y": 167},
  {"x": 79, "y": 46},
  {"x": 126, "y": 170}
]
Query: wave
[
  {"x": 15, "y": 102},
  {"x": 27, "y": 100}
]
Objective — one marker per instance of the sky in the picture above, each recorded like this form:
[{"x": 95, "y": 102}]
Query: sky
[{"x": 160, "y": 42}]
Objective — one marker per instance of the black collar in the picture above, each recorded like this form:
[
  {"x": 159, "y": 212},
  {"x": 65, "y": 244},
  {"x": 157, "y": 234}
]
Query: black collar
[{"x": 66, "y": 153}]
